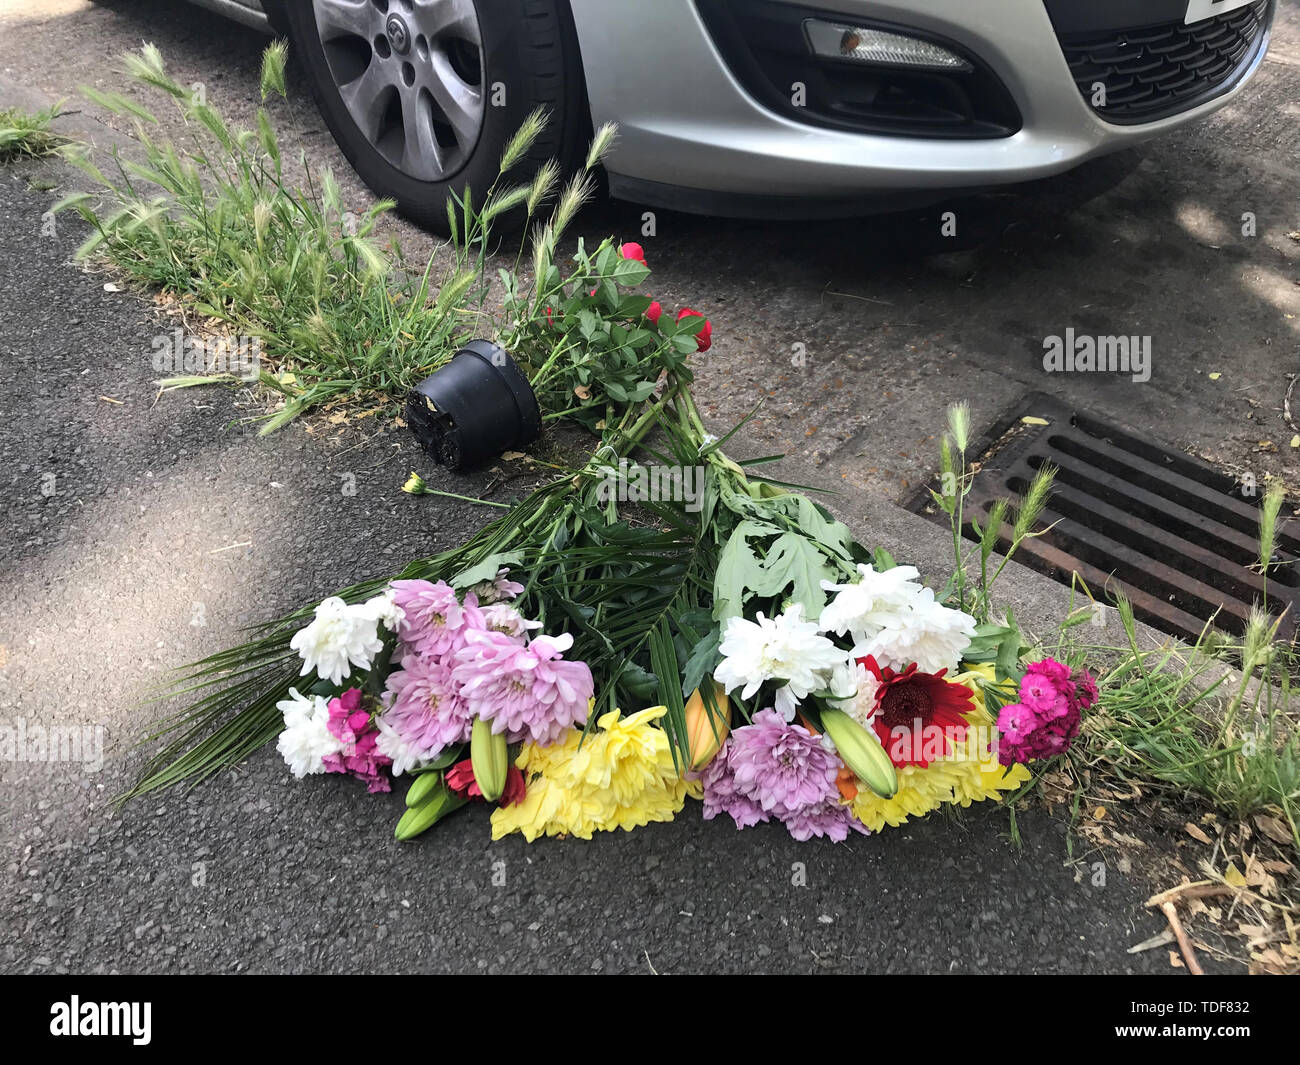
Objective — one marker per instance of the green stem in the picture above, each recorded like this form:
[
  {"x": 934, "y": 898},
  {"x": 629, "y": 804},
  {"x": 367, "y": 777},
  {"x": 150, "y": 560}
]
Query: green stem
[
  {"x": 956, "y": 533},
  {"x": 426, "y": 491}
]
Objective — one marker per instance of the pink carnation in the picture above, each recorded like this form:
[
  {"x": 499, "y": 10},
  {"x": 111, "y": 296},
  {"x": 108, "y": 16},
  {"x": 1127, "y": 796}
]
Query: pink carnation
[
  {"x": 350, "y": 723},
  {"x": 1016, "y": 722},
  {"x": 1046, "y": 720},
  {"x": 1057, "y": 672},
  {"x": 526, "y": 691},
  {"x": 1042, "y": 696},
  {"x": 1085, "y": 689}
]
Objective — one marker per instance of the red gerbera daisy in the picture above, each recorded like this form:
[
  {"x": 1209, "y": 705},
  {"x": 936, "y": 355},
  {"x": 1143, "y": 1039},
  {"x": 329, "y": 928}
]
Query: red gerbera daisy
[{"x": 905, "y": 699}]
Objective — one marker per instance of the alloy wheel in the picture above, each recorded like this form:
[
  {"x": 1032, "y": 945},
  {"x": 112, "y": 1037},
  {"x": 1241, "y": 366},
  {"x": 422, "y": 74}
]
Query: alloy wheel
[{"x": 410, "y": 73}]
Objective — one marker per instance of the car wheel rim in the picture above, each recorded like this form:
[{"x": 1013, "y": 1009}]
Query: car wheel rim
[{"x": 410, "y": 73}]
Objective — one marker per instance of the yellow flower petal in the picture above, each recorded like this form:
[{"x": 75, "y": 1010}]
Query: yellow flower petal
[
  {"x": 620, "y": 775},
  {"x": 973, "y": 775}
]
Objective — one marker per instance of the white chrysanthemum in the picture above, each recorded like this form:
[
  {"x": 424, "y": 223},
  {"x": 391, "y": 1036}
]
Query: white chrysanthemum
[
  {"x": 843, "y": 680},
  {"x": 306, "y": 739},
  {"x": 927, "y": 633},
  {"x": 855, "y": 693},
  {"x": 385, "y": 610},
  {"x": 781, "y": 648},
  {"x": 785, "y": 702},
  {"x": 404, "y": 755},
  {"x": 870, "y": 603},
  {"x": 340, "y": 637}
]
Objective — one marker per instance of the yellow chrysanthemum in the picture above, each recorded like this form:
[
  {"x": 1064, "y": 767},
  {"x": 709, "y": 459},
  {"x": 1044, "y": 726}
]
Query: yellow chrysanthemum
[
  {"x": 969, "y": 774},
  {"x": 621, "y": 776}
]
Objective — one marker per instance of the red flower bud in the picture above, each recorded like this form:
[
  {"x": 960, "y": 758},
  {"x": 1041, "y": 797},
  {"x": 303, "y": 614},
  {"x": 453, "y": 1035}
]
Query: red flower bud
[
  {"x": 704, "y": 338},
  {"x": 460, "y": 779},
  {"x": 515, "y": 787},
  {"x": 653, "y": 312},
  {"x": 633, "y": 251}
]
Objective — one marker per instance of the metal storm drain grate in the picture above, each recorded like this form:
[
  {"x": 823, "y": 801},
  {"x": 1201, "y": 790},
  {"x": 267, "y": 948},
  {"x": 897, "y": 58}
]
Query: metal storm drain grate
[{"x": 1173, "y": 534}]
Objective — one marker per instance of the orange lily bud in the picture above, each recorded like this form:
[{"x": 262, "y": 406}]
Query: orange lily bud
[{"x": 705, "y": 729}]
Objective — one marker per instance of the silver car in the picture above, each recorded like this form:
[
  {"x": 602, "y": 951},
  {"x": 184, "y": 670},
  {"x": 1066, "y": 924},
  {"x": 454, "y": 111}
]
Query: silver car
[{"x": 760, "y": 107}]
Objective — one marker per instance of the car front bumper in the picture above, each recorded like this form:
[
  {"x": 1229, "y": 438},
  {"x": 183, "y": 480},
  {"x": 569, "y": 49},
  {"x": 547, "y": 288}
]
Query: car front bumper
[{"x": 688, "y": 127}]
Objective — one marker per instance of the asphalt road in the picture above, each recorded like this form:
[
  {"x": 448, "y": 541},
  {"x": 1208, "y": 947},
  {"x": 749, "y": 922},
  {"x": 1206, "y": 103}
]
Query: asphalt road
[
  {"x": 102, "y": 583},
  {"x": 139, "y": 534}
]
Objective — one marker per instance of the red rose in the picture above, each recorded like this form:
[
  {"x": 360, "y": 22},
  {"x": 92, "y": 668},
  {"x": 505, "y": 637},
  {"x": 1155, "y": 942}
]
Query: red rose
[
  {"x": 704, "y": 338},
  {"x": 633, "y": 251},
  {"x": 653, "y": 312},
  {"x": 549, "y": 320}
]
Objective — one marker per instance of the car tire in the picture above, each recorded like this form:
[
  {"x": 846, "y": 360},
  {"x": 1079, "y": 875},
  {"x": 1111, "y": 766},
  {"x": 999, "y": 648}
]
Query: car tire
[{"x": 527, "y": 57}]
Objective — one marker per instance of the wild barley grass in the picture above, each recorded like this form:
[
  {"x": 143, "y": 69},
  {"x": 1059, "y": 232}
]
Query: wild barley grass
[
  {"x": 1176, "y": 718},
  {"x": 1173, "y": 717},
  {"x": 217, "y": 223},
  {"x": 25, "y": 135}
]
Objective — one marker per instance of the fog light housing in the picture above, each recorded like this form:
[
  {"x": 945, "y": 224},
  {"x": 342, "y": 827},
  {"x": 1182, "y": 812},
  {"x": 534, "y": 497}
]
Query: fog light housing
[{"x": 862, "y": 44}]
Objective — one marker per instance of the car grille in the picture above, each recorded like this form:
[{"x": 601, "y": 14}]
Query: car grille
[{"x": 1154, "y": 71}]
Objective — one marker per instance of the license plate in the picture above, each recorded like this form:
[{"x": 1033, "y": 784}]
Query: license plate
[{"x": 1200, "y": 10}]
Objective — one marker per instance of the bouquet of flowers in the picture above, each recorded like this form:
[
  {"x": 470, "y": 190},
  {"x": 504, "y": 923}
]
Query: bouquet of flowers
[{"x": 603, "y": 650}]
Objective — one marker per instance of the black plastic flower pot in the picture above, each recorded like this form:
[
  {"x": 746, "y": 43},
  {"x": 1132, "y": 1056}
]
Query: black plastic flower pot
[{"x": 474, "y": 408}]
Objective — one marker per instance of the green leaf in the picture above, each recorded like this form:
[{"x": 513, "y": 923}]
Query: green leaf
[
  {"x": 630, "y": 273},
  {"x": 640, "y": 684},
  {"x": 632, "y": 308},
  {"x": 702, "y": 660},
  {"x": 818, "y": 525},
  {"x": 794, "y": 560},
  {"x": 663, "y": 657},
  {"x": 739, "y": 568},
  {"x": 487, "y": 569},
  {"x": 448, "y": 758}
]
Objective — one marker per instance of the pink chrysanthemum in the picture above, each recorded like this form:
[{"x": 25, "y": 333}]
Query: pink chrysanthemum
[
  {"x": 721, "y": 796},
  {"x": 830, "y": 819},
  {"x": 501, "y": 617},
  {"x": 526, "y": 691},
  {"x": 350, "y": 723},
  {"x": 434, "y": 617},
  {"x": 500, "y": 589},
  {"x": 426, "y": 709},
  {"x": 782, "y": 767}
]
